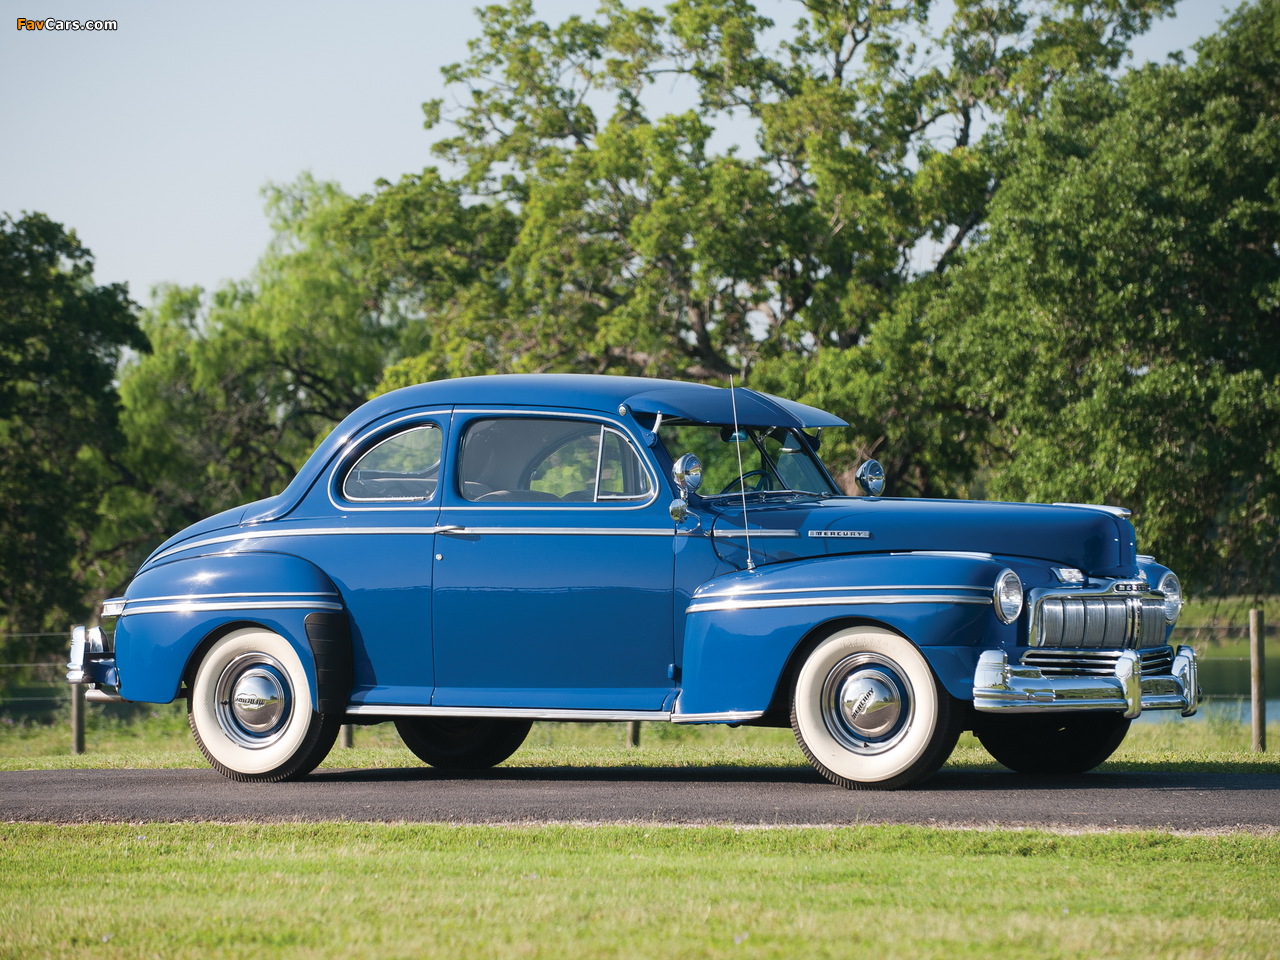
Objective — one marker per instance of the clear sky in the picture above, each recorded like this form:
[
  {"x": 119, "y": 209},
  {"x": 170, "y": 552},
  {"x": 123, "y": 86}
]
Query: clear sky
[{"x": 153, "y": 141}]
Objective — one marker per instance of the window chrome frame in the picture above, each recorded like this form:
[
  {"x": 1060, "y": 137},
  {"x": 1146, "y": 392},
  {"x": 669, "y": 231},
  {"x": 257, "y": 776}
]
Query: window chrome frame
[
  {"x": 355, "y": 449},
  {"x": 464, "y": 416}
]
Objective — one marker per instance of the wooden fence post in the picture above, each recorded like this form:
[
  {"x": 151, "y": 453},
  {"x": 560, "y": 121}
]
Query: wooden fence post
[
  {"x": 633, "y": 733},
  {"x": 1258, "y": 680},
  {"x": 346, "y": 736},
  {"x": 77, "y": 718}
]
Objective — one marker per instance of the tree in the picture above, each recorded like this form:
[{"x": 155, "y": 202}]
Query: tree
[
  {"x": 240, "y": 386},
  {"x": 1117, "y": 327},
  {"x": 61, "y": 337},
  {"x": 631, "y": 242}
]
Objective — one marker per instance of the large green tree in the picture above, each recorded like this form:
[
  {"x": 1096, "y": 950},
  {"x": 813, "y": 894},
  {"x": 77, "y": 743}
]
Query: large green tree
[
  {"x": 61, "y": 337},
  {"x": 701, "y": 192},
  {"x": 1118, "y": 329}
]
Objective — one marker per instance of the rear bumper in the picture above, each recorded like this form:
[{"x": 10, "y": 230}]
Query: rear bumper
[
  {"x": 1002, "y": 687},
  {"x": 90, "y": 663}
]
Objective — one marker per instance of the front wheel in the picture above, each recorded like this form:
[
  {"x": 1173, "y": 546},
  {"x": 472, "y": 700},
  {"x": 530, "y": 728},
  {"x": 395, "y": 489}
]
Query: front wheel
[
  {"x": 868, "y": 712},
  {"x": 250, "y": 709},
  {"x": 462, "y": 743},
  {"x": 1063, "y": 743}
]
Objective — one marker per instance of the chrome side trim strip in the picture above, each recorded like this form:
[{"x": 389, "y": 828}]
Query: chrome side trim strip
[
  {"x": 268, "y": 532},
  {"x": 727, "y": 716},
  {"x": 754, "y": 534},
  {"x": 962, "y": 554},
  {"x": 417, "y": 531},
  {"x": 192, "y": 607},
  {"x": 524, "y": 713},
  {"x": 561, "y": 531},
  {"x": 834, "y": 602},
  {"x": 1121, "y": 512},
  {"x": 227, "y": 596},
  {"x": 844, "y": 589}
]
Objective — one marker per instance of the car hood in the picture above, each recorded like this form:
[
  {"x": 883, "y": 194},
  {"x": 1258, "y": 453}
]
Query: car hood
[{"x": 1096, "y": 540}]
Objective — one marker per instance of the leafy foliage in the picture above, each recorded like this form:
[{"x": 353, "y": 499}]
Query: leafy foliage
[
  {"x": 1014, "y": 270},
  {"x": 1121, "y": 313},
  {"x": 240, "y": 386},
  {"x": 631, "y": 242},
  {"x": 61, "y": 338}
]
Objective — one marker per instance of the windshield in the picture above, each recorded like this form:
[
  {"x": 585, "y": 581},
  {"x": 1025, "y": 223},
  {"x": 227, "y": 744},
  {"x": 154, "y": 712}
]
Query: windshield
[{"x": 773, "y": 458}]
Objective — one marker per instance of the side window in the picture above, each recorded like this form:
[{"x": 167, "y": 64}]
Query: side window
[
  {"x": 405, "y": 466},
  {"x": 622, "y": 473},
  {"x": 539, "y": 460}
]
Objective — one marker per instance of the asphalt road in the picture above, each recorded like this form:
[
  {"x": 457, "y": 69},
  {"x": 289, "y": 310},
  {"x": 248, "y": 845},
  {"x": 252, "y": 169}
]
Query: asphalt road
[{"x": 706, "y": 795}]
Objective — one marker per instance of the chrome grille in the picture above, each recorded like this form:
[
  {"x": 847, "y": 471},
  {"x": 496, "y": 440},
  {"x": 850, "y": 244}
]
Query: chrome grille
[
  {"x": 1099, "y": 623},
  {"x": 1082, "y": 663}
]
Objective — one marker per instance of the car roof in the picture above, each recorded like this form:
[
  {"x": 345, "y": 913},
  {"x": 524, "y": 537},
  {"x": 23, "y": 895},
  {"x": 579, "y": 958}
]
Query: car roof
[
  {"x": 616, "y": 396},
  {"x": 671, "y": 398}
]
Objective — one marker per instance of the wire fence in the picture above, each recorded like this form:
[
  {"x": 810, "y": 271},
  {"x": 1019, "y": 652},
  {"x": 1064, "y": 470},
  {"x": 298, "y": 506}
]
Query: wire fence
[
  {"x": 37, "y": 691},
  {"x": 43, "y": 682}
]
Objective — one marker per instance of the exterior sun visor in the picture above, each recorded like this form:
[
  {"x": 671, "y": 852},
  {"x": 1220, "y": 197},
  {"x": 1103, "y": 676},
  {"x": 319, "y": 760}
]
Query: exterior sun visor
[{"x": 706, "y": 404}]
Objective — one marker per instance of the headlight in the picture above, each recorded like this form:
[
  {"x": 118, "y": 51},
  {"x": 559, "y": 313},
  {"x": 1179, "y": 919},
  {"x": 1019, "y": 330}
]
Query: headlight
[
  {"x": 1008, "y": 596},
  {"x": 1172, "y": 591}
]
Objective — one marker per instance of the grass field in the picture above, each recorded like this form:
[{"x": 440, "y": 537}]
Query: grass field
[
  {"x": 1227, "y": 611},
  {"x": 395, "y": 890},
  {"x": 163, "y": 740},
  {"x": 412, "y": 890}
]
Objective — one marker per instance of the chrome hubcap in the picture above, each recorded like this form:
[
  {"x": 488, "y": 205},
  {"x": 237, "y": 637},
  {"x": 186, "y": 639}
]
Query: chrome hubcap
[
  {"x": 867, "y": 704},
  {"x": 254, "y": 700}
]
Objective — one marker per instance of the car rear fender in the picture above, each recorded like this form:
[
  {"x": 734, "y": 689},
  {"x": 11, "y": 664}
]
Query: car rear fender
[{"x": 173, "y": 612}]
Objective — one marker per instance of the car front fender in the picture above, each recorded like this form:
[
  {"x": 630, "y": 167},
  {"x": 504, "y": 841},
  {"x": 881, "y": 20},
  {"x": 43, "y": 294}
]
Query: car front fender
[{"x": 745, "y": 631}]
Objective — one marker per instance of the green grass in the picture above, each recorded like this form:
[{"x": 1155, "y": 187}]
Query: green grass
[
  {"x": 163, "y": 740},
  {"x": 1227, "y": 611},
  {"x": 388, "y": 890},
  {"x": 400, "y": 890}
]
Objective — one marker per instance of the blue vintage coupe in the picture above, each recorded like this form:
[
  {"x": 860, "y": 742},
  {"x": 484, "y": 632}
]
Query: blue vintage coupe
[{"x": 467, "y": 556}]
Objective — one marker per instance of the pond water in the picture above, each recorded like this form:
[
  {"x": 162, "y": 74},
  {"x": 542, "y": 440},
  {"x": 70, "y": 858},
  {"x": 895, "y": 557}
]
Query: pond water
[
  {"x": 1225, "y": 682},
  {"x": 1229, "y": 709}
]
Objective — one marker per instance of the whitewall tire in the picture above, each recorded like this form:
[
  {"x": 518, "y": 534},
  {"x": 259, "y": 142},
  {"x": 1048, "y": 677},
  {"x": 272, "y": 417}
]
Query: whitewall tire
[
  {"x": 869, "y": 713},
  {"x": 251, "y": 711}
]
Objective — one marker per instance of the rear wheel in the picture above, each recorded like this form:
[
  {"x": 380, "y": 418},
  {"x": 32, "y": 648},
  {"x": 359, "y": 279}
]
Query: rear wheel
[
  {"x": 1062, "y": 743},
  {"x": 869, "y": 713},
  {"x": 250, "y": 709},
  {"x": 462, "y": 743}
]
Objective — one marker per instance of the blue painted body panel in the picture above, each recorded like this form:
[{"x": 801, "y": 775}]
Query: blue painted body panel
[
  {"x": 457, "y": 601},
  {"x": 174, "y": 606},
  {"x": 743, "y": 627}
]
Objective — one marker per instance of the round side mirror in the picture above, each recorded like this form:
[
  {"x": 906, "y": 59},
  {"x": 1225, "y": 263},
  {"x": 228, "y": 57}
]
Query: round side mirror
[
  {"x": 870, "y": 478},
  {"x": 687, "y": 474}
]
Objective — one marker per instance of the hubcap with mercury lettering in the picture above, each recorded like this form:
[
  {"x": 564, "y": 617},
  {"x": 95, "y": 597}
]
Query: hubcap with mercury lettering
[
  {"x": 254, "y": 700},
  {"x": 867, "y": 704}
]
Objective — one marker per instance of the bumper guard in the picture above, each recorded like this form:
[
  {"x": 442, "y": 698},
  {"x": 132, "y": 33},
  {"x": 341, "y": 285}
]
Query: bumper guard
[
  {"x": 1001, "y": 687},
  {"x": 90, "y": 663}
]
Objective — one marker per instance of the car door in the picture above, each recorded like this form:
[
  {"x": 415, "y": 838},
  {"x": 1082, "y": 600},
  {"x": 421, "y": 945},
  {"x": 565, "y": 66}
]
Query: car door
[
  {"x": 553, "y": 570},
  {"x": 373, "y": 531}
]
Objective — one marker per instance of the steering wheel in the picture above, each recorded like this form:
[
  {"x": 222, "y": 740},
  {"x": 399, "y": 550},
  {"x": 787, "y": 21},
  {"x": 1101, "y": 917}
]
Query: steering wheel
[{"x": 765, "y": 482}]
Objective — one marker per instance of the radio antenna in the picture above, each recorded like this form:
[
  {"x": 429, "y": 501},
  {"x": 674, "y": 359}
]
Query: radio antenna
[{"x": 737, "y": 446}]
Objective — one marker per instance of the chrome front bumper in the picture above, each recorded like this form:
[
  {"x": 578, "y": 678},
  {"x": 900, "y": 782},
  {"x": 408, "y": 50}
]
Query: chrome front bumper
[{"x": 1001, "y": 687}]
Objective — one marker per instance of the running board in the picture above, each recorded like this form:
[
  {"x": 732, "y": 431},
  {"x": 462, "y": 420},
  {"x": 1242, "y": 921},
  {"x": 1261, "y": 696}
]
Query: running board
[{"x": 390, "y": 711}]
